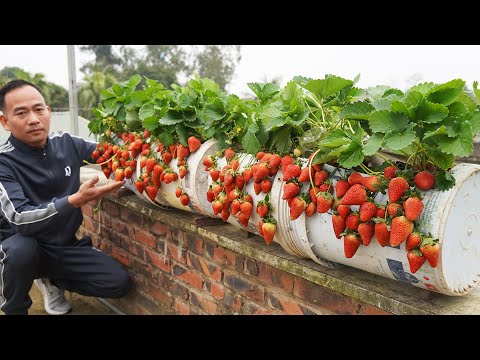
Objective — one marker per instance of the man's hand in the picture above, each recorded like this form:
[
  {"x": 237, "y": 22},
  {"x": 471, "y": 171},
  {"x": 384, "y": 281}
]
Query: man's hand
[{"x": 88, "y": 191}]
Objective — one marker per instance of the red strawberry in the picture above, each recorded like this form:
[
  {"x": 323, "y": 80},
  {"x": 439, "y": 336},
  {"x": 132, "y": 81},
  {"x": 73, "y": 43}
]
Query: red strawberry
[
  {"x": 351, "y": 243},
  {"x": 214, "y": 174},
  {"x": 389, "y": 172},
  {"x": 341, "y": 188},
  {"x": 356, "y": 195},
  {"x": 257, "y": 187},
  {"x": 326, "y": 187},
  {"x": 152, "y": 191},
  {"x": 275, "y": 161},
  {"x": 247, "y": 174},
  {"x": 367, "y": 211},
  {"x": 266, "y": 185},
  {"x": 259, "y": 155},
  {"x": 239, "y": 181},
  {"x": 246, "y": 209},
  {"x": 380, "y": 211},
  {"x": 297, "y": 207},
  {"x": 242, "y": 219},
  {"x": 182, "y": 171},
  {"x": 366, "y": 231},
  {"x": 269, "y": 229},
  {"x": 178, "y": 192},
  {"x": 304, "y": 175},
  {"x": 311, "y": 208},
  {"x": 184, "y": 199},
  {"x": 234, "y": 194},
  {"x": 430, "y": 249},
  {"x": 217, "y": 206},
  {"x": 229, "y": 153},
  {"x": 400, "y": 229},
  {"x": 313, "y": 194},
  {"x": 324, "y": 202},
  {"x": 168, "y": 177},
  {"x": 355, "y": 178},
  {"x": 234, "y": 164},
  {"x": 167, "y": 157},
  {"x": 208, "y": 162},
  {"x": 352, "y": 221},
  {"x": 119, "y": 174},
  {"x": 343, "y": 210},
  {"x": 262, "y": 171},
  {"x": 424, "y": 180},
  {"x": 262, "y": 209},
  {"x": 225, "y": 214},
  {"x": 396, "y": 188},
  {"x": 413, "y": 240},
  {"x": 320, "y": 177},
  {"x": 286, "y": 160},
  {"x": 193, "y": 143},
  {"x": 182, "y": 152},
  {"x": 292, "y": 171},
  {"x": 372, "y": 183},
  {"x": 415, "y": 259},
  {"x": 150, "y": 164},
  {"x": 140, "y": 186},
  {"x": 338, "y": 225},
  {"x": 394, "y": 209},
  {"x": 260, "y": 227},
  {"x": 290, "y": 190},
  {"x": 413, "y": 208},
  {"x": 382, "y": 233},
  {"x": 236, "y": 206},
  {"x": 128, "y": 172},
  {"x": 210, "y": 195}
]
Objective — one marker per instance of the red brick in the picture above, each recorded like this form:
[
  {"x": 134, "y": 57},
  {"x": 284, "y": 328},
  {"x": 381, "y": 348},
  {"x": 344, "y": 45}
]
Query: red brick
[
  {"x": 146, "y": 270},
  {"x": 90, "y": 224},
  {"x": 187, "y": 276},
  {"x": 121, "y": 255},
  {"x": 177, "y": 252},
  {"x": 203, "y": 302},
  {"x": 144, "y": 237},
  {"x": 244, "y": 286},
  {"x": 159, "y": 294},
  {"x": 131, "y": 216},
  {"x": 206, "y": 267},
  {"x": 181, "y": 307},
  {"x": 105, "y": 218},
  {"x": 120, "y": 226},
  {"x": 285, "y": 304},
  {"x": 160, "y": 229},
  {"x": 251, "y": 308},
  {"x": 233, "y": 301},
  {"x": 217, "y": 291},
  {"x": 324, "y": 298},
  {"x": 194, "y": 243},
  {"x": 177, "y": 288},
  {"x": 367, "y": 309},
  {"x": 224, "y": 256},
  {"x": 87, "y": 210},
  {"x": 113, "y": 209},
  {"x": 278, "y": 278},
  {"x": 159, "y": 260}
]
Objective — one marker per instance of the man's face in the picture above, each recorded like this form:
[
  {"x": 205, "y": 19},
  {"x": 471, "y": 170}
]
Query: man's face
[{"x": 27, "y": 116}]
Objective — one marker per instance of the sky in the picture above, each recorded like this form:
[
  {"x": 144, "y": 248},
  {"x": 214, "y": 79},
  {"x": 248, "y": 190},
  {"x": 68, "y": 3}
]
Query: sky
[{"x": 398, "y": 66}]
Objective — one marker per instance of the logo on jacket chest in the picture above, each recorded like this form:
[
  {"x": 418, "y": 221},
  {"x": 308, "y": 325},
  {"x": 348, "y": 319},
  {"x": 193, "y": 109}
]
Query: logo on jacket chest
[{"x": 68, "y": 171}]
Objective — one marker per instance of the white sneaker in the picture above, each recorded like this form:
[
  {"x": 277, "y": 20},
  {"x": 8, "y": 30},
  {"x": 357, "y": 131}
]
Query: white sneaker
[{"x": 53, "y": 297}]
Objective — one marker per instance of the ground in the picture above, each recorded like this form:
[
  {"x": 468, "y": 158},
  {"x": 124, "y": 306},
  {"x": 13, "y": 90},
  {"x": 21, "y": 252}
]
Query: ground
[{"x": 81, "y": 305}]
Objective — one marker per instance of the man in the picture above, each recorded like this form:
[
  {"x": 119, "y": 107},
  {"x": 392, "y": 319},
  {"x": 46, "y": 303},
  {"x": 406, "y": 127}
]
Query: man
[{"x": 40, "y": 200}]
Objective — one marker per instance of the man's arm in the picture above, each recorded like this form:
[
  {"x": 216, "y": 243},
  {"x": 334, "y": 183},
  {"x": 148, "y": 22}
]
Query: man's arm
[{"x": 88, "y": 191}]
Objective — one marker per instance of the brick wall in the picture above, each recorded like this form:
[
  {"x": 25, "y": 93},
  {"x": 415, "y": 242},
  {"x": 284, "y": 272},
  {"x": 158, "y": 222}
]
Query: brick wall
[{"x": 179, "y": 267}]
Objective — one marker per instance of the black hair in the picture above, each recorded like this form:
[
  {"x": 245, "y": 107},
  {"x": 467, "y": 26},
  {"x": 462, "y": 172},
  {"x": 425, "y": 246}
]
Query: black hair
[{"x": 12, "y": 85}]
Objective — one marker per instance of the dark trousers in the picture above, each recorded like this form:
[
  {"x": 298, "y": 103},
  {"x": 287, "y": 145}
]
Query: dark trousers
[{"x": 78, "y": 268}]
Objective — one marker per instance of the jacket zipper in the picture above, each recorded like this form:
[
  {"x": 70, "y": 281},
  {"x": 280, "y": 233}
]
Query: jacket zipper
[{"x": 48, "y": 167}]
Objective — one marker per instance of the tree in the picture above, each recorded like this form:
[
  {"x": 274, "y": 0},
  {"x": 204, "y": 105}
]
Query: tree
[
  {"x": 55, "y": 96},
  {"x": 89, "y": 91},
  {"x": 104, "y": 59},
  {"x": 218, "y": 63}
]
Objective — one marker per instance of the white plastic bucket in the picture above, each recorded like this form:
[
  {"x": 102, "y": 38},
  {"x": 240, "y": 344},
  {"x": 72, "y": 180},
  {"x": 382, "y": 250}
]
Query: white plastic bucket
[{"x": 451, "y": 216}]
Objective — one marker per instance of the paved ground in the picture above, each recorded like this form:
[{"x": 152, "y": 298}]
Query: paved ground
[{"x": 81, "y": 305}]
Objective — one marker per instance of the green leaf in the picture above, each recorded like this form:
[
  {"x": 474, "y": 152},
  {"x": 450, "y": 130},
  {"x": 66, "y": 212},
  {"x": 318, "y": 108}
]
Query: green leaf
[
  {"x": 323, "y": 157},
  {"x": 446, "y": 93},
  {"x": 181, "y": 131},
  {"x": 107, "y": 94},
  {"x": 138, "y": 98},
  {"x": 334, "y": 139},
  {"x": 431, "y": 113},
  {"x": 382, "y": 103},
  {"x": 146, "y": 110},
  {"x": 444, "y": 181},
  {"x": 461, "y": 145},
  {"x": 476, "y": 91},
  {"x": 283, "y": 140},
  {"x": 442, "y": 160},
  {"x": 412, "y": 98},
  {"x": 117, "y": 89},
  {"x": 377, "y": 91},
  {"x": 185, "y": 101},
  {"x": 399, "y": 140},
  {"x": 272, "y": 122},
  {"x": 150, "y": 123},
  {"x": 133, "y": 81},
  {"x": 358, "y": 110},
  {"x": 172, "y": 117},
  {"x": 423, "y": 88},
  {"x": 393, "y": 91},
  {"x": 357, "y": 134},
  {"x": 214, "y": 110},
  {"x": 151, "y": 82},
  {"x": 166, "y": 138},
  {"x": 442, "y": 130},
  {"x": 250, "y": 142},
  {"x": 261, "y": 134},
  {"x": 468, "y": 101},
  {"x": 352, "y": 156},
  {"x": 264, "y": 91},
  {"x": 328, "y": 87},
  {"x": 385, "y": 121},
  {"x": 475, "y": 122},
  {"x": 374, "y": 143},
  {"x": 400, "y": 107},
  {"x": 457, "y": 109}
]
